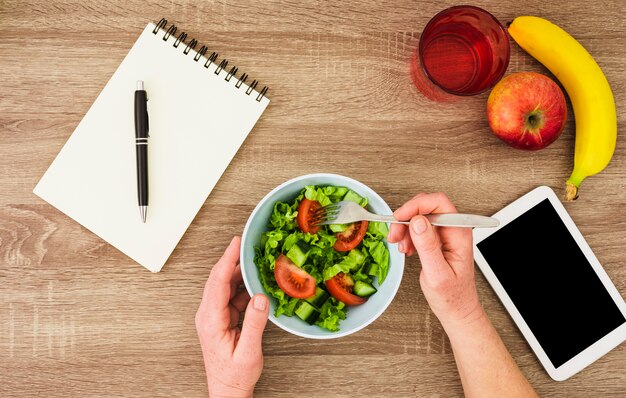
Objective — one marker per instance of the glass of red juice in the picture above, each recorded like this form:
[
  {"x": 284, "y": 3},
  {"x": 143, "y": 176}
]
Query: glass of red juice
[{"x": 464, "y": 50}]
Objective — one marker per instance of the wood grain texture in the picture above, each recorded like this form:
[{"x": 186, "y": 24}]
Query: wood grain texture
[{"x": 78, "y": 318}]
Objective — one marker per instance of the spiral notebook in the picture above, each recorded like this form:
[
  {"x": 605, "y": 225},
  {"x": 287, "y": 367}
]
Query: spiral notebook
[{"x": 200, "y": 113}]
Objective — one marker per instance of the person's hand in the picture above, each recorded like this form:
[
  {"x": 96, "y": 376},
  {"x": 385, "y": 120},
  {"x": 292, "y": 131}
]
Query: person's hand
[
  {"x": 233, "y": 357},
  {"x": 446, "y": 254}
]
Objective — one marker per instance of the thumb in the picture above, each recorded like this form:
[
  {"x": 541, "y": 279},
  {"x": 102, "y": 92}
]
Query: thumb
[
  {"x": 426, "y": 241},
  {"x": 254, "y": 322}
]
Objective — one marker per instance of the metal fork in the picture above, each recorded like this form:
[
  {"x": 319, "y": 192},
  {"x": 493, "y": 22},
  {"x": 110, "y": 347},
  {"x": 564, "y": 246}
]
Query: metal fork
[{"x": 346, "y": 212}]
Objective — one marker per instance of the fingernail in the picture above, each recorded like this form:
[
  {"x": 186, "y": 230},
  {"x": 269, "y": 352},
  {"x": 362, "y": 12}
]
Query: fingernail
[
  {"x": 419, "y": 225},
  {"x": 260, "y": 303},
  {"x": 401, "y": 247}
]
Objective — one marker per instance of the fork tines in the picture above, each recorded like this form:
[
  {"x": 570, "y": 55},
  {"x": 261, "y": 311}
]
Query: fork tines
[{"x": 325, "y": 214}]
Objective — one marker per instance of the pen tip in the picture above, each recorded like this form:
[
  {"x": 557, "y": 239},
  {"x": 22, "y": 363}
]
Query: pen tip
[{"x": 143, "y": 210}]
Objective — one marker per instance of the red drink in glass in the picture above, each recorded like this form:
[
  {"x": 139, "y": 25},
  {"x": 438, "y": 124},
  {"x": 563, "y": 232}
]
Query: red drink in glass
[{"x": 464, "y": 50}]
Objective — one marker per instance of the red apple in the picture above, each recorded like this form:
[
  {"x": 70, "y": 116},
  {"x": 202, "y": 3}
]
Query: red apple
[{"x": 527, "y": 110}]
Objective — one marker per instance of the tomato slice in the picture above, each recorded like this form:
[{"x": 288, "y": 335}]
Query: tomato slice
[
  {"x": 306, "y": 212},
  {"x": 351, "y": 237},
  {"x": 293, "y": 280},
  {"x": 340, "y": 287}
]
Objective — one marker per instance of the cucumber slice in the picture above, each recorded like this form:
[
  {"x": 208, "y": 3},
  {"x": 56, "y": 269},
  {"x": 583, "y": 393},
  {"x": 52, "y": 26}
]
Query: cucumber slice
[
  {"x": 297, "y": 255},
  {"x": 371, "y": 269},
  {"x": 307, "y": 313},
  {"x": 354, "y": 197},
  {"x": 305, "y": 247},
  {"x": 363, "y": 289},
  {"x": 319, "y": 299}
]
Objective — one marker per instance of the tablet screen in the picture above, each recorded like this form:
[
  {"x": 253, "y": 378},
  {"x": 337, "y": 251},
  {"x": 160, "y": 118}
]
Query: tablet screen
[{"x": 551, "y": 283}]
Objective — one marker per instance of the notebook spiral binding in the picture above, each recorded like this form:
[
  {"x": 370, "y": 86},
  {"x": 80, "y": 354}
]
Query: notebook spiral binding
[{"x": 211, "y": 59}]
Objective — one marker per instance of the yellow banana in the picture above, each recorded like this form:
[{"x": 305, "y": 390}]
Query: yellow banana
[{"x": 587, "y": 87}]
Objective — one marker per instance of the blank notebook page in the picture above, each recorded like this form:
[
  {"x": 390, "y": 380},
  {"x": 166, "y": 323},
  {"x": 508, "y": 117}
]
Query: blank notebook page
[{"x": 197, "y": 120}]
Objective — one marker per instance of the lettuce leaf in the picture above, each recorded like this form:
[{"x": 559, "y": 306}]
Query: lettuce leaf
[
  {"x": 379, "y": 230},
  {"x": 383, "y": 266},
  {"x": 379, "y": 252},
  {"x": 271, "y": 241},
  {"x": 349, "y": 263},
  {"x": 325, "y": 195},
  {"x": 266, "y": 263},
  {"x": 283, "y": 216},
  {"x": 330, "y": 314},
  {"x": 333, "y": 270},
  {"x": 322, "y": 240},
  {"x": 360, "y": 276}
]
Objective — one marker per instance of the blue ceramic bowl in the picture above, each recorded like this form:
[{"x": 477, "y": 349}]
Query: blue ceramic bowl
[{"x": 357, "y": 317}]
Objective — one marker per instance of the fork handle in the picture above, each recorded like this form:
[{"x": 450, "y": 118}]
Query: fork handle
[{"x": 447, "y": 220}]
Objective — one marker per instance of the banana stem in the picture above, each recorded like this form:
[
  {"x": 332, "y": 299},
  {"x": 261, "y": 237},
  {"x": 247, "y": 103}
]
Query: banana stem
[
  {"x": 571, "y": 192},
  {"x": 572, "y": 185}
]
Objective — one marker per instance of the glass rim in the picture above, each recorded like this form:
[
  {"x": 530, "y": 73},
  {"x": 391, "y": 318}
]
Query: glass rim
[{"x": 500, "y": 26}]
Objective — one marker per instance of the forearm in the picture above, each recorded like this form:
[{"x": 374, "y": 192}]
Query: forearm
[{"x": 485, "y": 365}]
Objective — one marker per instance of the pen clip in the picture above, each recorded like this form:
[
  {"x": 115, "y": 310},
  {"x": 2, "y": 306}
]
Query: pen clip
[{"x": 147, "y": 118}]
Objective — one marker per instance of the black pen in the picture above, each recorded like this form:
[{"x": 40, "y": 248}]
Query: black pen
[{"x": 141, "y": 144}]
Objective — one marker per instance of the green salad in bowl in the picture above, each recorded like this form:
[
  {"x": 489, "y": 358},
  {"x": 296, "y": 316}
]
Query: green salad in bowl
[{"x": 319, "y": 273}]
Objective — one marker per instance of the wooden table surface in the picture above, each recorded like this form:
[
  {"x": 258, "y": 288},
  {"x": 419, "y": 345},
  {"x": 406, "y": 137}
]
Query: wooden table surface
[{"x": 79, "y": 319}]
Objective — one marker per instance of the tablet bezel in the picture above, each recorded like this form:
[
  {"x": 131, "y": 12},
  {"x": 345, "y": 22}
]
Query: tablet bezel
[{"x": 591, "y": 353}]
